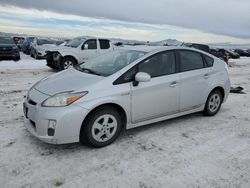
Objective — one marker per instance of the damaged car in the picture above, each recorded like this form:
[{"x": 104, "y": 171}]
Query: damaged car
[{"x": 76, "y": 51}]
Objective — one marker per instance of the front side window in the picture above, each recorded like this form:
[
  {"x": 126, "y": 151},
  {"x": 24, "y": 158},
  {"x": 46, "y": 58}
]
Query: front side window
[
  {"x": 190, "y": 60},
  {"x": 92, "y": 44},
  {"x": 159, "y": 65},
  {"x": 104, "y": 44}
]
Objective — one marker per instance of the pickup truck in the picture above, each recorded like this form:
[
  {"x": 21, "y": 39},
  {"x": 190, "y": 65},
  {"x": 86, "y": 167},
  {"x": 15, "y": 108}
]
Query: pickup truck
[{"x": 76, "y": 51}]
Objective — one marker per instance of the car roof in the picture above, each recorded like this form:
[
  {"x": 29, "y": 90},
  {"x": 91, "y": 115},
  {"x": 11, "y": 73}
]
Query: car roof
[{"x": 148, "y": 49}]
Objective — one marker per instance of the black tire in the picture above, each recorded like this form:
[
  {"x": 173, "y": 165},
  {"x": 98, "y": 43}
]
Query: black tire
[
  {"x": 65, "y": 60},
  {"x": 17, "y": 58},
  {"x": 88, "y": 129},
  {"x": 35, "y": 55},
  {"x": 31, "y": 53},
  {"x": 212, "y": 109}
]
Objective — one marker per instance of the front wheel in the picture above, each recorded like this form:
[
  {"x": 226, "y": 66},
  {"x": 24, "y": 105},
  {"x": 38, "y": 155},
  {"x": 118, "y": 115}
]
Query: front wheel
[
  {"x": 35, "y": 55},
  {"x": 213, "y": 103},
  {"x": 102, "y": 127},
  {"x": 67, "y": 62}
]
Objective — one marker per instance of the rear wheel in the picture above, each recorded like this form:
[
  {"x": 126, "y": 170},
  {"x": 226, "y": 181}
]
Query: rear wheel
[
  {"x": 213, "y": 103},
  {"x": 67, "y": 62},
  {"x": 102, "y": 127}
]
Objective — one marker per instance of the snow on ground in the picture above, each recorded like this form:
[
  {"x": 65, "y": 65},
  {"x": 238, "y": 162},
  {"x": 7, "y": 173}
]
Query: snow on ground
[
  {"x": 191, "y": 151},
  {"x": 26, "y": 62}
]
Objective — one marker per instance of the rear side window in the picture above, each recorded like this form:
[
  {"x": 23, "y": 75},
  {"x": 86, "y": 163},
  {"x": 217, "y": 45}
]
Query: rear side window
[
  {"x": 209, "y": 61},
  {"x": 190, "y": 60},
  {"x": 104, "y": 44}
]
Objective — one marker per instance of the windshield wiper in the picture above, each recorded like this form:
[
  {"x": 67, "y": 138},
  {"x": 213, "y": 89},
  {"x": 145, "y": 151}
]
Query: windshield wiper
[{"x": 88, "y": 71}]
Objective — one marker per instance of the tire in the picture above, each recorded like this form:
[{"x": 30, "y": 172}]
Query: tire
[
  {"x": 213, "y": 103},
  {"x": 102, "y": 127},
  {"x": 35, "y": 55},
  {"x": 17, "y": 58},
  {"x": 31, "y": 54},
  {"x": 67, "y": 62}
]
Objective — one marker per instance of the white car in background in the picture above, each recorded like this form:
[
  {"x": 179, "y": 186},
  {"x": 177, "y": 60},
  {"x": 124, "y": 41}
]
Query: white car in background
[
  {"x": 39, "y": 46},
  {"x": 93, "y": 101},
  {"x": 76, "y": 51}
]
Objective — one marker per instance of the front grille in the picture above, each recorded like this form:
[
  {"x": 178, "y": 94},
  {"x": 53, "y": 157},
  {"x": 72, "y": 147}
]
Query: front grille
[
  {"x": 32, "y": 102},
  {"x": 5, "y": 49}
]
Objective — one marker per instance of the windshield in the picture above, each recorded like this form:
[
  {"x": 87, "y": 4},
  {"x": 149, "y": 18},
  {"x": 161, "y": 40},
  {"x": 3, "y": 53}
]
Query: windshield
[
  {"x": 110, "y": 63},
  {"x": 45, "y": 41},
  {"x": 6, "y": 41},
  {"x": 74, "y": 43}
]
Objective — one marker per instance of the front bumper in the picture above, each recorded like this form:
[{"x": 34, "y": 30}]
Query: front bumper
[
  {"x": 68, "y": 120},
  {"x": 42, "y": 54},
  {"x": 11, "y": 55},
  {"x": 51, "y": 62}
]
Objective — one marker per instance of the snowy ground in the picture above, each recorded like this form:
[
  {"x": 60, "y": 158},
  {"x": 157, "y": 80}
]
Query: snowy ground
[{"x": 192, "y": 151}]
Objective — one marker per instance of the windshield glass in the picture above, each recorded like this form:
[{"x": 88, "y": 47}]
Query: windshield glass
[
  {"x": 110, "y": 63},
  {"x": 45, "y": 41},
  {"x": 6, "y": 41},
  {"x": 74, "y": 43}
]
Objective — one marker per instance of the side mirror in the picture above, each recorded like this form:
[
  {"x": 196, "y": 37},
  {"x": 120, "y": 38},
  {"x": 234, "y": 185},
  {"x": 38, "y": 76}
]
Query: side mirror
[
  {"x": 86, "y": 46},
  {"x": 142, "y": 77}
]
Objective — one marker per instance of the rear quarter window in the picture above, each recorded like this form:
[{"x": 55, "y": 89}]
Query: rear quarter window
[{"x": 209, "y": 61}]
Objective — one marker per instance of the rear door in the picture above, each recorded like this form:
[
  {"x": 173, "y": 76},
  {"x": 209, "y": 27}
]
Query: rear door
[{"x": 193, "y": 79}]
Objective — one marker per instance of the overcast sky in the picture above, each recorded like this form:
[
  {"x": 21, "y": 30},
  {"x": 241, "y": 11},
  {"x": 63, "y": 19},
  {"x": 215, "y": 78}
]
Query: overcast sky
[{"x": 189, "y": 20}]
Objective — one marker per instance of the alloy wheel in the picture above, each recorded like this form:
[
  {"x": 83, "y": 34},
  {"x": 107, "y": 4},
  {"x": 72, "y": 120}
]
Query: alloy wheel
[
  {"x": 214, "y": 102},
  {"x": 104, "y": 128},
  {"x": 67, "y": 64}
]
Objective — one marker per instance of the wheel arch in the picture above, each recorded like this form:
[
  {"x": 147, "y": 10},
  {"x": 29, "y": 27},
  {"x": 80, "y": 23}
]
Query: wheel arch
[
  {"x": 221, "y": 89},
  {"x": 69, "y": 56},
  {"x": 116, "y": 106}
]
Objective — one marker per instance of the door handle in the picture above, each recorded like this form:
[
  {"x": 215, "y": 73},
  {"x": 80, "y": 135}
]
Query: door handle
[
  {"x": 206, "y": 76},
  {"x": 173, "y": 84}
]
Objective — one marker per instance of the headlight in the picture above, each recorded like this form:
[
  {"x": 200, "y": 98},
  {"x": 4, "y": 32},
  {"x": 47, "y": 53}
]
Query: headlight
[
  {"x": 39, "y": 49},
  {"x": 15, "y": 48},
  {"x": 63, "y": 99},
  {"x": 56, "y": 56}
]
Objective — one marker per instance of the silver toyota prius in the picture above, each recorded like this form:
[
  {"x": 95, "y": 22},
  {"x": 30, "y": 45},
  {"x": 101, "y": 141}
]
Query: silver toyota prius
[{"x": 127, "y": 88}]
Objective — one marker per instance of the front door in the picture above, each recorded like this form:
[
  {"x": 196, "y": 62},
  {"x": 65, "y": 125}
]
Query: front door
[
  {"x": 160, "y": 96},
  {"x": 89, "y": 50}
]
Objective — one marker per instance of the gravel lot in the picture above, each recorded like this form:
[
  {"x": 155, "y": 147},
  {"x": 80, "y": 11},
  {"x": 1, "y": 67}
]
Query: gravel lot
[{"x": 191, "y": 151}]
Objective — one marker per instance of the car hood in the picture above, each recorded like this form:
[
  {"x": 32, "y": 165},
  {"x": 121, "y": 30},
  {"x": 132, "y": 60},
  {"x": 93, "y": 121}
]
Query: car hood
[
  {"x": 48, "y": 47},
  {"x": 68, "y": 80},
  {"x": 7, "y": 45}
]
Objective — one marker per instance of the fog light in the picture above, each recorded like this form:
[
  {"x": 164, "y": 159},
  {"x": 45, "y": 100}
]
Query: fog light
[{"x": 51, "y": 127}]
